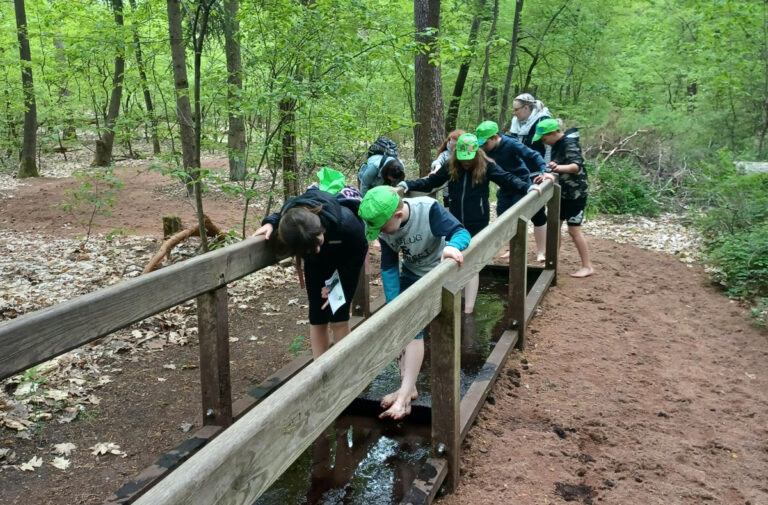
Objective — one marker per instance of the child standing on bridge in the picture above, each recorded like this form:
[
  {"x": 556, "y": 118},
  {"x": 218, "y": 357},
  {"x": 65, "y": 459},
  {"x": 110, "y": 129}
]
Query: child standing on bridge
[
  {"x": 320, "y": 228},
  {"x": 568, "y": 163},
  {"x": 426, "y": 234}
]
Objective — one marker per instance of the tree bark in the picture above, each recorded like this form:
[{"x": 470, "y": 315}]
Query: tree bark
[
  {"x": 511, "y": 67},
  {"x": 145, "y": 87},
  {"x": 190, "y": 159},
  {"x": 104, "y": 146},
  {"x": 429, "y": 129},
  {"x": 290, "y": 164},
  {"x": 27, "y": 163},
  {"x": 461, "y": 79},
  {"x": 236, "y": 133},
  {"x": 481, "y": 109}
]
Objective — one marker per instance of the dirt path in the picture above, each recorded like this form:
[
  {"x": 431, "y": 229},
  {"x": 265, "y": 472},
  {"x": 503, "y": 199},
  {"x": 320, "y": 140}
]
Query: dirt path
[{"x": 643, "y": 385}]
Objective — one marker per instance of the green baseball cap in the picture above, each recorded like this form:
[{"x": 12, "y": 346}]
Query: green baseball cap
[
  {"x": 545, "y": 126},
  {"x": 486, "y": 130},
  {"x": 466, "y": 147},
  {"x": 331, "y": 181},
  {"x": 378, "y": 205}
]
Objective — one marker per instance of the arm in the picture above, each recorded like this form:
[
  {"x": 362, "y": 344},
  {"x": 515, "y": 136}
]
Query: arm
[
  {"x": 427, "y": 184},
  {"x": 506, "y": 180},
  {"x": 532, "y": 159},
  {"x": 390, "y": 272}
]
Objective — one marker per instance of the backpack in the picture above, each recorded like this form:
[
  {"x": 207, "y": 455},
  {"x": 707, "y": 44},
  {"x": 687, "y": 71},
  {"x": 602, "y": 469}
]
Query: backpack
[{"x": 384, "y": 146}]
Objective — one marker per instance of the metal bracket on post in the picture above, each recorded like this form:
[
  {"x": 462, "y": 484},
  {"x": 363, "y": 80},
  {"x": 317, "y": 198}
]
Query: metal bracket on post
[
  {"x": 213, "y": 332},
  {"x": 446, "y": 354},
  {"x": 518, "y": 279}
]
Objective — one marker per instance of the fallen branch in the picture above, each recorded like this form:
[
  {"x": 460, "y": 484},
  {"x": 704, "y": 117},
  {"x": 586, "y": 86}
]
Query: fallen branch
[{"x": 165, "y": 250}]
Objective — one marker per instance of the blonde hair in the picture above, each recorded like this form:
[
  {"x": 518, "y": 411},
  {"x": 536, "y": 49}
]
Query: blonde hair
[{"x": 527, "y": 99}]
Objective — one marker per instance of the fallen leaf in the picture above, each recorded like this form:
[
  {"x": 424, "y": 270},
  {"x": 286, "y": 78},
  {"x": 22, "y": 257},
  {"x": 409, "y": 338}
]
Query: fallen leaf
[
  {"x": 234, "y": 339},
  {"x": 170, "y": 367},
  {"x": 106, "y": 447},
  {"x": 185, "y": 427},
  {"x": 64, "y": 449},
  {"x": 60, "y": 463},
  {"x": 161, "y": 379},
  {"x": 95, "y": 400},
  {"x": 30, "y": 465}
]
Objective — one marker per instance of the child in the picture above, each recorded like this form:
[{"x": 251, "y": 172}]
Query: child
[
  {"x": 328, "y": 236},
  {"x": 383, "y": 166},
  {"x": 467, "y": 173},
  {"x": 444, "y": 155},
  {"x": 426, "y": 234},
  {"x": 511, "y": 155},
  {"x": 568, "y": 162}
]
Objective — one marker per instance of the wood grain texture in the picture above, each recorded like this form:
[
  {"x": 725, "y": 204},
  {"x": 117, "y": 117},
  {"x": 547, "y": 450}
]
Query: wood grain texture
[
  {"x": 474, "y": 398},
  {"x": 553, "y": 233},
  {"x": 446, "y": 353},
  {"x": 215, "y": 383},
  {"x": 42, "y": 335},
  {"x": 240, "y": 464},
  {"x": 536, "y": 293},
  {"x": 518, "y": 282}
]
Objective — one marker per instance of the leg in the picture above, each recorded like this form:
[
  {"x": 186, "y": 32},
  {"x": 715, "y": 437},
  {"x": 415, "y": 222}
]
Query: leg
[
  {"x": 318, "y": 336},
  {"x": 340, "y": 330},
  {"x": 540, "y": 234},
  {"x": 581, "y": 245},
  {"x": 409, "y": 366},
  {"x": 470, "y": 294}
]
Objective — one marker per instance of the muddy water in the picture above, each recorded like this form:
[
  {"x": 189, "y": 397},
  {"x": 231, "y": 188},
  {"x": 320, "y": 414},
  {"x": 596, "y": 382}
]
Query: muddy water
[{"x": 361, "y": 459}]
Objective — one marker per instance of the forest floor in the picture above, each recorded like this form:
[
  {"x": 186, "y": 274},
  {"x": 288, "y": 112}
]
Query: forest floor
[{"x": 639, "y": 385}]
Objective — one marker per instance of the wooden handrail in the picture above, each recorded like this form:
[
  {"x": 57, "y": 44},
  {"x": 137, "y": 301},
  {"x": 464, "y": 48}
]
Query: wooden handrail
[
  {"x": 39, "y": 336},
  {"x": 239, "y": 465}
]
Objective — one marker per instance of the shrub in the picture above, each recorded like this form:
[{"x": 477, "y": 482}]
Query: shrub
[
  {"x": 622, "y": 189},
  {"x": 740, "y": 262}
]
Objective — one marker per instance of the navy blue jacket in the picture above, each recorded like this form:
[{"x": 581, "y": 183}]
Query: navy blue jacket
[
  {"x": 469, "y": 201},
  {"x": 344, "y": 238},
  {"x": 511, "y": 155}
]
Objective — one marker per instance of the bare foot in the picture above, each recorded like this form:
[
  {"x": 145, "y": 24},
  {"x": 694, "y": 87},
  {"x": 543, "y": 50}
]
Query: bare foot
[
  {"x": 505, "y": 255},
  {"x": 390, "y": 399},
  {"x": 583, "y": 272},
  {"x": 541, "y": 258},
  {"x": 398, "y": 410}
]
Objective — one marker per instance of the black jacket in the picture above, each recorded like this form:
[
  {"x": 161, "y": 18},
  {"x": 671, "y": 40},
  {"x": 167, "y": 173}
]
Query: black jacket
[
  {"x": 469, "y": 201},
  {"x": 344, "y": 238}
]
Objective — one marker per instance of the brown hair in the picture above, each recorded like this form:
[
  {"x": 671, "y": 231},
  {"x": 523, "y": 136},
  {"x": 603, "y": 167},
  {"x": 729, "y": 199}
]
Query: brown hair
[
  {"x": 479, "y": 164},
  {"x": 454, "y": 135},
  {"x": 298, "y": 230}
]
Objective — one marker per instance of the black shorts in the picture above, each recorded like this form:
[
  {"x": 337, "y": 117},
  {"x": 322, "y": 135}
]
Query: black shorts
[
  {"x": 314, "y": 279},
  {"x": 572, "y": 211}
]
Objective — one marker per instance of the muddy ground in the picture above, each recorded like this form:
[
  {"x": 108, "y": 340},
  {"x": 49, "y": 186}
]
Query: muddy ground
[{"x": 640, "y": 385}]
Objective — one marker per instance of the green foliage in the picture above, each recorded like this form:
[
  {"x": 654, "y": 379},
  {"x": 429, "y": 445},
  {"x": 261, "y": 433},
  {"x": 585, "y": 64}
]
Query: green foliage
[
  {"x": 295, "y": 347},
  {"x": 94, "y": 197},
  {"x": 621, "y": 188},
  {"x": 740, "y": 262},
  {"x": 760, "y": 313}
]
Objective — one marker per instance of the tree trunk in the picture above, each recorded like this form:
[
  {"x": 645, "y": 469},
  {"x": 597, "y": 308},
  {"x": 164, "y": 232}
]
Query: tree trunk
[
  {"x": 27, "y": 164},
  {"x": 482, "y": 113},
  {"x": 69, "y": 132},
  {"x": 104, "y": 146},
  {"x": 236, "y": 134},
  {"x": 204, "y": 9},
  {"x": 291, "y": 174},
  {"x": 429, "y": 129},
  {"x": 461, "y": 79},
  {"x": 184, "y": 110},
  {"x": 511, "y": 67},
  {"x": 145, "y": 87}
]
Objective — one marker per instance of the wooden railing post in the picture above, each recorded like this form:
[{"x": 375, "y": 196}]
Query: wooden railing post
[
  {"x": 445, "y": 355},
  {"x": 213, "y": 333},
  {"x": 518, "y": 279},
  {"x": 553, "y": 232}
]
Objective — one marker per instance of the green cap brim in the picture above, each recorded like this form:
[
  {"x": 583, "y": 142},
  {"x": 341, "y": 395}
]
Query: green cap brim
[
  {"x": 371, "y": 233},
  {"x": 462, "y": 156},
  {"x": 537, "y": 137}
]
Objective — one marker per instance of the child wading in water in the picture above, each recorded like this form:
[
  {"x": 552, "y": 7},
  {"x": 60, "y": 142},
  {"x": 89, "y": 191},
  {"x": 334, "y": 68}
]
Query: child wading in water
[
  {"x": 468, "y": 172},
  {"x": 327, "y": 236},
  {"x": 426, "y": 234},
  {"x": 568, "y": 163}
]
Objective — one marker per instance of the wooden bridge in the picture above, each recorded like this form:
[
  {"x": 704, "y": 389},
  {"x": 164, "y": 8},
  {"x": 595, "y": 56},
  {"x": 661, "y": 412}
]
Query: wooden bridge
[{"x": 246, "y": 445}]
